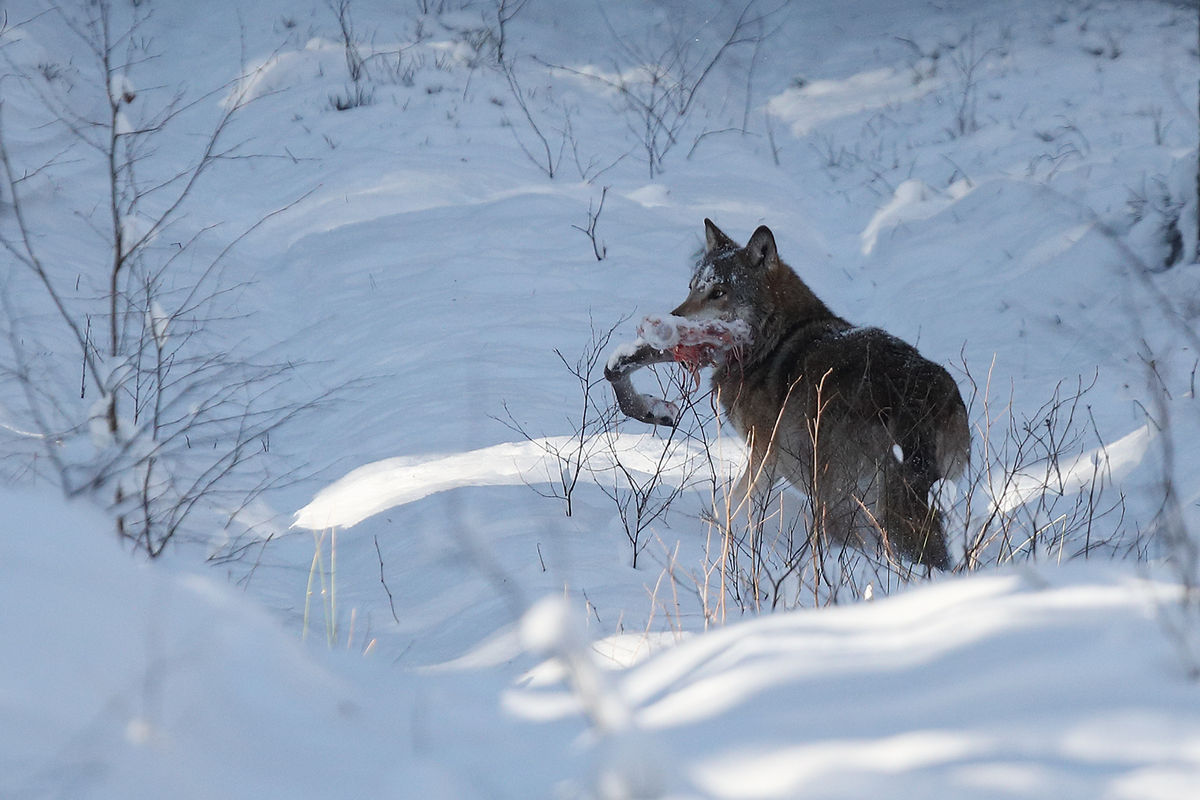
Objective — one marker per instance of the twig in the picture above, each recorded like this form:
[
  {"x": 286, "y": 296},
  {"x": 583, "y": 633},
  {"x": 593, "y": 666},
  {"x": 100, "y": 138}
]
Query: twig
[{"x": 383, "y": 582}]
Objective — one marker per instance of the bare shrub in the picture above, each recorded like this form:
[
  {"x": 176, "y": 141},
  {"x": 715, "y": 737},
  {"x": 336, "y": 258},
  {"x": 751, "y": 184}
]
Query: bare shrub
[
  {"x": 657, "y": 84},
  {"x": 644, "y": 483},
  {"x": 130, "y": 387},
  {"x": 366, "y": 64},
  {"x": 569, "y": 457},
  {"x": 350, "y": 43},
  {"x": 599, "y": 250},
  {"x": 505, "y": 11},
  {"x": 545, "y": 156},
  {"x": 967, "y": 59},
  {"x": 1039, "y": 486},
  {"x": 642, "y": 475}
]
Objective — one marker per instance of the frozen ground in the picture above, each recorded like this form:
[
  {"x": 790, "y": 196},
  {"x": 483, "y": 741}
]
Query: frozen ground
[{"x": 993, "y": 181}]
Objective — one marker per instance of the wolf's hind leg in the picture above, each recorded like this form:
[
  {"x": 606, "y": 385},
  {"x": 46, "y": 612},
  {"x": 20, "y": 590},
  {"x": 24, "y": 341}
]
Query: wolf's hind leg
[{"x": 913, "y": 527}]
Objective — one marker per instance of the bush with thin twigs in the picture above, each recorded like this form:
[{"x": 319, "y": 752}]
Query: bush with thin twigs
[
  {"x": 638, "y": 484},
  {"x": 358, "y": 93},
  {"x": 599, "y": 249},
  {"x": 657, "y": 85},
  {"x": 549, "y": 157},
  {"x": 367, "y": 65},
  {"x": 1044, "y": 481},
  {"x": 642, "y": 481},
  {"x": 568, "y": 458},
  {"x": 550, "y": 121},
  {"x": 133, "y": 394},
  {"x": 354, "y": 58},
  {"x": 966, "y": 60}
]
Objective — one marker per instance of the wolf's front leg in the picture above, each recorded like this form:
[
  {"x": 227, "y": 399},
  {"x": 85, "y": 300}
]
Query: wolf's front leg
[{"x": 747, "y": 499}]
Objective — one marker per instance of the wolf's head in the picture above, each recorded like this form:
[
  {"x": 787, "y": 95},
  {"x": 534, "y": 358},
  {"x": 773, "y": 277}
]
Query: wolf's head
[
  {"x": 748, "y": 283},
  {"x": 728, "y": 281}
]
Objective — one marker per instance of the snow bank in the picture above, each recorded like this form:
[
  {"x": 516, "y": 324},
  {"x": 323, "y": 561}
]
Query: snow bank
[
  {"x": 123, "y": 679},
  {"x": 917, "y": 696}
]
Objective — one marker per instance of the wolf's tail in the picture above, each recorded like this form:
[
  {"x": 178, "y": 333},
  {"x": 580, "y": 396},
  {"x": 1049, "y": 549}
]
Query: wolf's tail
[
  {"x": 913, "y": 528},
  {"x": 953, "y": 439}
]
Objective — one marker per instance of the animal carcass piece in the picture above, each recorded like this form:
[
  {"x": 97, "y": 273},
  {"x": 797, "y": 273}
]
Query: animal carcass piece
[{"x": 667, "y": 338}]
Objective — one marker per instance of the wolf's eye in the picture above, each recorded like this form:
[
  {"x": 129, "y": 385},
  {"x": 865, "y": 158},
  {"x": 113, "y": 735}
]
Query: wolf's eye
[{"x": 716, "y": 293}]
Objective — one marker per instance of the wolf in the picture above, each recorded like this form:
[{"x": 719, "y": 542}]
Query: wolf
[{"x": 853, "y": 417}]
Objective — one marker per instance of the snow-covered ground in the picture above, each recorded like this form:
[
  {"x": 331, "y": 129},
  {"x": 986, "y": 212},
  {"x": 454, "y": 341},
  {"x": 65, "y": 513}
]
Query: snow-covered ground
[{"x": 408, "y": 615}]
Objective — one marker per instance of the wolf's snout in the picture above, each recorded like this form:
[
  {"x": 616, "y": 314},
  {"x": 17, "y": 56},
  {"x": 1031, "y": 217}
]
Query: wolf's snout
[{"x": 685, "y": 309}]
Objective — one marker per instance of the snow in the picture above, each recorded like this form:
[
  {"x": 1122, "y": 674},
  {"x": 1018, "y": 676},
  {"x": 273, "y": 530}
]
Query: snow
[
  {"x": 158, "y": 321},
  {"x": 807, "y": 107},
  {"x": 995, "y": 182},
  {"x": 120, "y": 88},
  {"x": 622, "y": 352},
  {"x": 149, "y": 683},
  {"x": 385, "y": 484},
  {"x": 122, "y": 125},
  {"x": 912, "y": 200}
]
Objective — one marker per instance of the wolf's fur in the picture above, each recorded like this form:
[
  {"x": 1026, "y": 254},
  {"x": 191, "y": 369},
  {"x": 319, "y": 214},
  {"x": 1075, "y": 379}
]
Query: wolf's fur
[{"x": 853, "y": 417}]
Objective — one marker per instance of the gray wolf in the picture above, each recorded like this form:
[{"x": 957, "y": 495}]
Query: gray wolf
[{"x": 853, "y": 417}]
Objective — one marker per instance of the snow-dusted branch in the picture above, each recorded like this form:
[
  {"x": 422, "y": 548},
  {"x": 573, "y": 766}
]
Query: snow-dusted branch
[{"x": 168, "y": 420}]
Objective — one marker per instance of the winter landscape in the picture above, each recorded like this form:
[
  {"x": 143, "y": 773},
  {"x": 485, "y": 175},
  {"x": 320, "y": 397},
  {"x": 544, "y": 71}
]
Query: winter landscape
[{"x": 313, "y": 485}]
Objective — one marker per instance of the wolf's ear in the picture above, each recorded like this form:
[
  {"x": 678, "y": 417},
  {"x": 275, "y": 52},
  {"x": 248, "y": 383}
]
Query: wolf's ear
[
  {"x": 715, "y": 239},
  {"x": 761, "y": 248}
]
